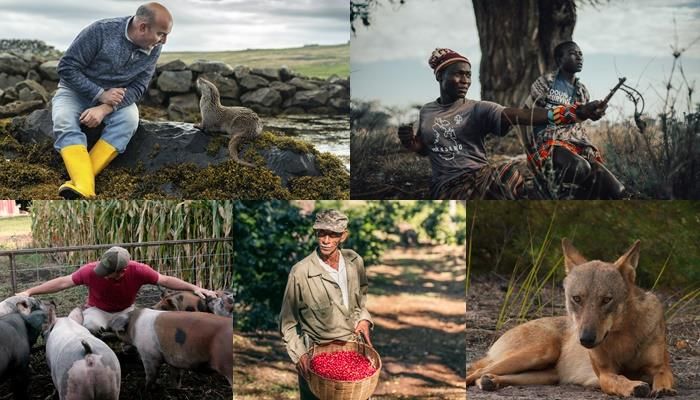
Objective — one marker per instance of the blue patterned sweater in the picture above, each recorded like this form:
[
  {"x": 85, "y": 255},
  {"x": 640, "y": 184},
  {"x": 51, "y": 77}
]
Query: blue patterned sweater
[{"x": 102, "y": 57}]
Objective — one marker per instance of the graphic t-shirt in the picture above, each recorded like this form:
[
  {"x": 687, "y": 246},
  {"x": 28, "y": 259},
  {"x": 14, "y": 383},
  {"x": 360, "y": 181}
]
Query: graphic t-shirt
[
  {"x": 454, "y": 135},
  {"x": 110, "y": 295},
  {"x": 560, "y": 92}
]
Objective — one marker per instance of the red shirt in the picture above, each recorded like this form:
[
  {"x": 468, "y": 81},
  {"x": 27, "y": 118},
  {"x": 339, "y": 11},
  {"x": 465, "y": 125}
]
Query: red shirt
[{"x": 110, "y": 295}]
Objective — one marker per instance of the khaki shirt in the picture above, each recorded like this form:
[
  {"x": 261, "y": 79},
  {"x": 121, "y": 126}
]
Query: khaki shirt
[{"x": 312, "y": 308}]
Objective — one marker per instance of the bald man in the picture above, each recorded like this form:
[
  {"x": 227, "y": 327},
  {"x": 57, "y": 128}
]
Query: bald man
[{"x": 103, "y": 73}]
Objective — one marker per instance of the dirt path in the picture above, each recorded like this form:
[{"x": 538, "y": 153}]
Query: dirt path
[
  {"x": 417, "y": 302},
  {"x": 483, "y": 306}
]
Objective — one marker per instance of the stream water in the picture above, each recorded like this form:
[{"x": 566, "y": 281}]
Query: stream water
[{"x": 327, "y": 133}]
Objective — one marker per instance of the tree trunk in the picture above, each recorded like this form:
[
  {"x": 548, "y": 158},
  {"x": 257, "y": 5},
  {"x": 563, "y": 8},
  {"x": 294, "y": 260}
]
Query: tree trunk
[{"x": 517, "y": 38}]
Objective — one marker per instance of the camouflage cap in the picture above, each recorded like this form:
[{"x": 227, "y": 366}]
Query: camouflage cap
[
  {"x": 331, "y": 220},
  {"x": 113, "y": 260}
]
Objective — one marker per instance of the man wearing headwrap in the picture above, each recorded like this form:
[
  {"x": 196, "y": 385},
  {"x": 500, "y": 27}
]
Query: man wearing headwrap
[{"x": 451, "y": 132}]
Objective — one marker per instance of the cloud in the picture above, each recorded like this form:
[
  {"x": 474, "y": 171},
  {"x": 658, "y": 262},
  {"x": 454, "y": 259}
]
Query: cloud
[
  {"x": 198, "y": 24},
  {"x": 414, "y": 29}
]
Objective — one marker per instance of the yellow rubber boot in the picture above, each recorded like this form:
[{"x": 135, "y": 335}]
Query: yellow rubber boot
[
  {"x": 79, "y": 167},
  {"x": 101, "y": 154}
]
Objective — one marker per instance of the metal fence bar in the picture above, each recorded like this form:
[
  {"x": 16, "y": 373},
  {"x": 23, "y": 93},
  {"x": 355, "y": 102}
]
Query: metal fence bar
[
  {"x": 106, "y": 246},
  {"x": 12, "y": 253}
]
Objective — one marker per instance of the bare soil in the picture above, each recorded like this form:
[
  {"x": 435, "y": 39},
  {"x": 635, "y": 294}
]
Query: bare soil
[
  {"x": 416, "y": 298},
  {"x": 484, "y": 301}
]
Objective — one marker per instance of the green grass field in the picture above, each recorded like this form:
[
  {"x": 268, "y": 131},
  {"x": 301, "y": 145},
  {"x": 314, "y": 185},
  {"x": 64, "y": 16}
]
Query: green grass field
[
  {"x": 15, "y": 226},
  {"x": 314, "y": 61}
]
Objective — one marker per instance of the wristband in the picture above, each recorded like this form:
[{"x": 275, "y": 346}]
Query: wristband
[{"x": 562, "y": 115}]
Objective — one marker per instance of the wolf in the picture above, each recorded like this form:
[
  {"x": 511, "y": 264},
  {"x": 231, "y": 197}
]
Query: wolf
[{"x": 613, "y": 337}]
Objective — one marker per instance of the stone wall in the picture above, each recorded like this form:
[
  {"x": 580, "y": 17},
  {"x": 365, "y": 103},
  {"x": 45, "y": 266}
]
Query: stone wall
[{"x": 28, "y": 79}]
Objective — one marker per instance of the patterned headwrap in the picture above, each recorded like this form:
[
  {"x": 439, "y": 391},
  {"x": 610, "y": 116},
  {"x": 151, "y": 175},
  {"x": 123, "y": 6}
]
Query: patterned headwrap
[{"x": 441, "y": 58}]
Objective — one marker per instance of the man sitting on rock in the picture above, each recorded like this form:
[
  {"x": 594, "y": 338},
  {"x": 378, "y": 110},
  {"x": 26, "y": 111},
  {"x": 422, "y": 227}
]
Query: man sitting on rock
[{"x": 103, "y": 73}]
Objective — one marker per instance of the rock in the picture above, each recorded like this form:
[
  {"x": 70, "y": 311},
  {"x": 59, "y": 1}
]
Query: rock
[
  {"x": 154, "y": 97},
  {"x": 19, "y": 107},
  {"x": 175, "y": 81},
  {"x": 284, "y": 89},
  {"x": 7, "y": 80},
  {"x": 156, "y": 145},
  {"x": 252, "y": 82},
  {"x": 265, "y": 97},
  {"x": 302, "y": 84},
  {"x": 31, "y": 90},
  {"x": 321, "y": 111},
  {"x": 33, "y": 76},
  {"x": 260, "y": 110},
  {"x": 270, "y": 74},
  {"x": 12, "y": 64},
  {"x": 289, "y": 164},
  {"x": 225, "y": 101},
  {"x": 340, "y": 104},
  {"x": 36, "y": 48},
  {"x": 336, "y": 80},
  {"x": 49, "y": 70},
  {"x": 183, "y": 107},
  {"x": 36, "y": 128},
  {"x": 50, "y": 86},
  {"x": 286, "y": 74},
  {"x": 294, "y": 111},
  {"x": 310, "y": 98},
  {"x": 2, "y": 92},
  {"x": 175, "y": 65},
  {"x": 211, "y": 66},
  {"x": 337, "y": 91},
  {"x": 241, "y": 71},
  {"x": 228, "y": 88},
  {"x": 10, "y": 95}
]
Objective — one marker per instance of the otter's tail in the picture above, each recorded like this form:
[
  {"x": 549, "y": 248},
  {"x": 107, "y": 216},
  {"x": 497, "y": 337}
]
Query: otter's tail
[{"x": 233, "y": 149}]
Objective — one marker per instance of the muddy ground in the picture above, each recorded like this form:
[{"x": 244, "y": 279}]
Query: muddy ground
[
  {"x": 484, "y": 301},
  {"x": 204, "y": 384},
  {"x": 416, "y": 298}
]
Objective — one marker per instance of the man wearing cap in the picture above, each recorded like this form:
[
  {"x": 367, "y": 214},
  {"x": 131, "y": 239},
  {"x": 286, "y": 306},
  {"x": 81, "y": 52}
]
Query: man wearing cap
[
  {"x": 325, "y": 296},
  {"x": 451, "y": 131},
  {"x": 113, "y": 283},
  {"x": 103, "y": 73}
]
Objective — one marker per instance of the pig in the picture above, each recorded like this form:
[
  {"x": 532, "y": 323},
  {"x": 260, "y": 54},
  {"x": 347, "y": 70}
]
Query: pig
[
  {"x": 181, "y": 339},
  {"x": 9, "y": 305},
  {"x": 222, "y": 304},
  {"x": 19, "y": 331},
  {"x": 180, "y": 301},
  {"x": 82, "y": 366}
]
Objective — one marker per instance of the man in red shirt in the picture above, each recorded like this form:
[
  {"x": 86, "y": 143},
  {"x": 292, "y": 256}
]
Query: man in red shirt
[{"x": 113, "y": 283}]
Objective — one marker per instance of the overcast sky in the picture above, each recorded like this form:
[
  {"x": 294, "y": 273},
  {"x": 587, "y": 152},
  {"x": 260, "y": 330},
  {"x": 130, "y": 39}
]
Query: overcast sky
[
  {"x": 389, "y": 59},
  {"x": 199, "y": 25}
]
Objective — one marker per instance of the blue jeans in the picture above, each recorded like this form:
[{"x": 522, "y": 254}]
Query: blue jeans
[{"x": 120, "y": 125}]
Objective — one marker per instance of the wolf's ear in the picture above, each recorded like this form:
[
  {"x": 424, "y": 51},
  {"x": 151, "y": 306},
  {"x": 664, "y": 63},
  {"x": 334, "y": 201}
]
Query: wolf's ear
[
  {"x": 572, "y": 257},
  {"x": 627, "y": 263}
]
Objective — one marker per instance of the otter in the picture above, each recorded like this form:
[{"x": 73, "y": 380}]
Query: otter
[{"x": 239, "y": 122}]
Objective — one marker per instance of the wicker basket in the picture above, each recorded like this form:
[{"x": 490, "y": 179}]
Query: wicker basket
[{"x": 328, "y": 389}]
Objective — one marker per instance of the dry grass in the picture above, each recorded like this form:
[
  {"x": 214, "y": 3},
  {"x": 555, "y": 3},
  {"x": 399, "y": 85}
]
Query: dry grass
[{"x": 383, "y": 169}]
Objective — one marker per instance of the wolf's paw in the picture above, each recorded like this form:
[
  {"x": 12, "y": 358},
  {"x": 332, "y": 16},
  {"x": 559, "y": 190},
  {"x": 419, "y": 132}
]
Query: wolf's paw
[
  {"x": 641, "y": 390},
  {"x": 664, "y": 392},
  {"x": 487, "y": 382}
]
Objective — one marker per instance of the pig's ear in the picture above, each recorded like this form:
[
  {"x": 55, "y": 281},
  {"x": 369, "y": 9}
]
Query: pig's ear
[
  {"x": 23, "y": 307},
  {"x": 163, "y": 292}
]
